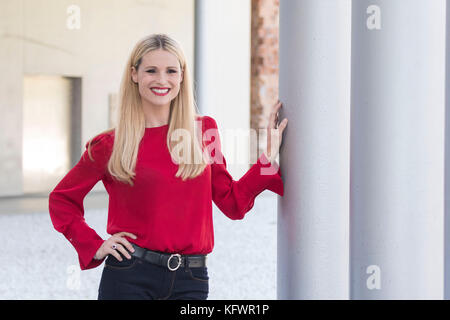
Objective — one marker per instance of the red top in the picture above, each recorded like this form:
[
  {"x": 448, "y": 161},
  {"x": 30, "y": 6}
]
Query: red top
[{"x": 165, "y": 213}]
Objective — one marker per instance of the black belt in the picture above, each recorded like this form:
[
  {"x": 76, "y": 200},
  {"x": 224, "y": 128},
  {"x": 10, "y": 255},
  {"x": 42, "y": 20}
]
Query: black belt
[{"x": 170, "y": 260}]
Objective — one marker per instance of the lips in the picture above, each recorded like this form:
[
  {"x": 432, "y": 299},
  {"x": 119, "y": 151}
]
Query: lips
[{"x": 160, "y": 91}]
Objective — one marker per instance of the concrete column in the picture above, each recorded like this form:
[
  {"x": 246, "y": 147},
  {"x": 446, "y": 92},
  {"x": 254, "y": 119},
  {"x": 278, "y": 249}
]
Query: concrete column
[
  {"x": 447, "y": 161},
  {"x": 314, "y": 84},
  {"x": 200, "y": 74},
  {"x": 397, "y": 143},
  {"x": 222, "y": 74},
  {"x": 11, "y": 96}
]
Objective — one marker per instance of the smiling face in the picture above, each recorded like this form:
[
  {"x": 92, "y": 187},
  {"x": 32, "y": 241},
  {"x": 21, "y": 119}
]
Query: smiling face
[{"x": 159, "y": 76}]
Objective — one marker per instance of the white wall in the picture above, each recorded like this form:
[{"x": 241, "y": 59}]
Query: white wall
[{"x": 35, "y": 39}]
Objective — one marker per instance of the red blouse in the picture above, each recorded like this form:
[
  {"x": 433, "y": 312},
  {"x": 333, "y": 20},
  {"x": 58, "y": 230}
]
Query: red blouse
[{"x": 165, "y": 213}]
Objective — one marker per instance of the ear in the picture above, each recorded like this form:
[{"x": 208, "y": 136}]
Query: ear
[{"x": 134, "y": 77}]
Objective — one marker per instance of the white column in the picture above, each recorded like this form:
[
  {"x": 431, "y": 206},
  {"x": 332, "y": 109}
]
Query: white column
[
  {"x": 200, "y": 55},
  {"x": 397, "y": 143},
  {"x": 222, "y": 74},
  {"x": 313, "y": 219},
  {"x": 11, "y": 97},
  {"x": 447, "y": 162}
]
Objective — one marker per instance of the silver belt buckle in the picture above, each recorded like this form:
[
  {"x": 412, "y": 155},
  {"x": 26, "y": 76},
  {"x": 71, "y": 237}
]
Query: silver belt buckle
[{"x": 179, "y": 261}]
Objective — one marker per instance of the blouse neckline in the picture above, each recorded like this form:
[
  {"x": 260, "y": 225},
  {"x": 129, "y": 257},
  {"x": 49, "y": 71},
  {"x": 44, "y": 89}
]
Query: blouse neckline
[{"x": 155, "y": 128}]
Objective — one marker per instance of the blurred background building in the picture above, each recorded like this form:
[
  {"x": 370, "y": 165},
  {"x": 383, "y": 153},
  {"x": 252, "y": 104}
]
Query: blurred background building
[{"x": 61, "y": 63}]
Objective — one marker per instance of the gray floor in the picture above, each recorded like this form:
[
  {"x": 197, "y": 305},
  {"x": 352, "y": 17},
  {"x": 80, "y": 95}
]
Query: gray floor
[
  {"x": 39, "y": 263},
  {"x": 39, "y": 202}
]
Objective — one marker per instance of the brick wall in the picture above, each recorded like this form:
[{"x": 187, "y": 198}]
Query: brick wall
[{"x": 264, "y": 65}]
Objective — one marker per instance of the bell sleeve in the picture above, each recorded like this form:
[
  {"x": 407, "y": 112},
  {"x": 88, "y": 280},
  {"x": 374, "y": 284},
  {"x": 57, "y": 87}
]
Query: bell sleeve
[
  {"x": 236, "y": 198},
  {"x": 66, "y": 201}
]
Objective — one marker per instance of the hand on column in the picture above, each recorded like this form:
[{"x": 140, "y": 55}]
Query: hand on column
[{"x": 274, "y": 133}]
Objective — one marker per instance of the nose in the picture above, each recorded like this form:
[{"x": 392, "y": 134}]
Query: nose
[{"x": 161, "y": 79}]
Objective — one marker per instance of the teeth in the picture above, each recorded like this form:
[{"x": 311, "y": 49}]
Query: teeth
[{"x": 160, "y": 91}]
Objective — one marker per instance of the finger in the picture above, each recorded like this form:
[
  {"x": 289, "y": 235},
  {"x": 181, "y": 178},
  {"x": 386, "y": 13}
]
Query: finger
[
  {"x": 126, "y": 243},
  {"x": 127, "y": 234},
  {"x": 273, "y": 121},
  {"x": 283, "y": 124},
  {"x": 281, "y": 130},
  {"x": 275, "y": 112},
  {"x": 122, "y": 250},
  {"x": 277, "y": 106},
  {"x": 131, "y": 235},
  {"x": 115, "y": 254}
]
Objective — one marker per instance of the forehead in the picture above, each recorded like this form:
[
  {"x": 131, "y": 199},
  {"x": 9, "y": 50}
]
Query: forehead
[{"x": 160, "y": 58}]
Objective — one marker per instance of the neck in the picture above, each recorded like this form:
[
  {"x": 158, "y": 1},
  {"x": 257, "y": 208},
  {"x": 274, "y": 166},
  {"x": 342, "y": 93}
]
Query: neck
[{"x": 155, "y": 115}]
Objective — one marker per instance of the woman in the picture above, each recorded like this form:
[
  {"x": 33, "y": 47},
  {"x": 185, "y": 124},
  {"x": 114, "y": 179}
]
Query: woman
[{"x": 160, "y": 209}]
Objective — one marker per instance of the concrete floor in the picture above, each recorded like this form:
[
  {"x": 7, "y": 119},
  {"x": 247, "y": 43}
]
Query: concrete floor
[
  {"x": 39, "y": 202},
  {"x": 39, "y": 263}
]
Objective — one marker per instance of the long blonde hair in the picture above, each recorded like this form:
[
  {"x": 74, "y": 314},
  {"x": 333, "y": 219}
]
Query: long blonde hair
[{"x": 131, "y": 120}]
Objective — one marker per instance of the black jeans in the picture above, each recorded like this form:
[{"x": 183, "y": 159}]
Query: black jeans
[{"x": 138, "y": 279}]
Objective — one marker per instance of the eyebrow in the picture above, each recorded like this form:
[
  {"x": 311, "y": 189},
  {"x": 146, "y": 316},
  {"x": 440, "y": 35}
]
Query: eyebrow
[{"x": 157, "y": 67}]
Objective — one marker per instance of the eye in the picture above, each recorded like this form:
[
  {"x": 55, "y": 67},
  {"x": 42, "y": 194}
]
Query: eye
[{"x": 153, "y": 71}]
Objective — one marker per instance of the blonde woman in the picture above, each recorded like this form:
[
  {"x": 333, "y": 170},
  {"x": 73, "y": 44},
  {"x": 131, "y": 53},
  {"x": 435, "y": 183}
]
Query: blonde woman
[{"x": 160, "y": 194}]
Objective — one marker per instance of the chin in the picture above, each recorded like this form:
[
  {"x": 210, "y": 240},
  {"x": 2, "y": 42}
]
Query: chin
[{"x": 159, "y": 102}]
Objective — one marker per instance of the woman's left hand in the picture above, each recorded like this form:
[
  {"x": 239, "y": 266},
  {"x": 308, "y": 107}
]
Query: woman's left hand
[{"x": 275, "y": 132}]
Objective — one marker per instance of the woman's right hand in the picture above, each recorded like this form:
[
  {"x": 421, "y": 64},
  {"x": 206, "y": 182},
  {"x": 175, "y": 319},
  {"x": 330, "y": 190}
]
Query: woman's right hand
[{"x": 120, "y": 244}]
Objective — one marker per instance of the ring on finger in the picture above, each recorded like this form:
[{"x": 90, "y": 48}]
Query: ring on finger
[{"x": 114, "y": 247}]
